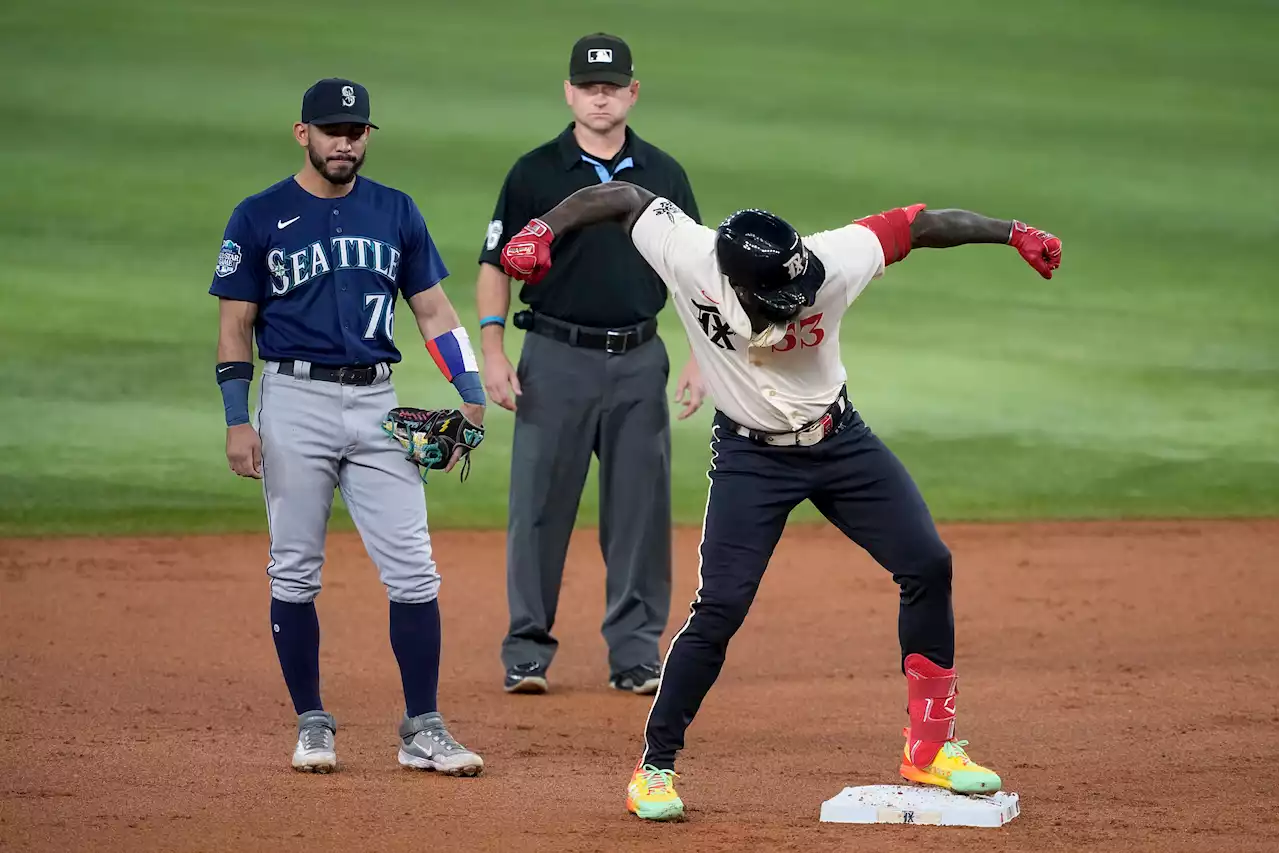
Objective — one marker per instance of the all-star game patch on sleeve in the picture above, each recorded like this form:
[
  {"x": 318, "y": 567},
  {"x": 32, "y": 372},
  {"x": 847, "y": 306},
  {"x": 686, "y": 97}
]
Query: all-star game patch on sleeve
[
  {"x": 421, "y": 268},
  {"x": 240, "y": 272}
]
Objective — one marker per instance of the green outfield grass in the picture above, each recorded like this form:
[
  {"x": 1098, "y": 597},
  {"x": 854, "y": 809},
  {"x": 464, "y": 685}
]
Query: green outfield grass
[{"x": 1141, "y": 381}]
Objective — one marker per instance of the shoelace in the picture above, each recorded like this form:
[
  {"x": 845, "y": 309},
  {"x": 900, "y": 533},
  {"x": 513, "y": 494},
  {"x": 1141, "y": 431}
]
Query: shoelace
[
  {"x": 955, "y": 749},
  {"x": 317, "y": 737},
  {"x": 444, "y": 739},
  {"x": 656, "y": 781}
]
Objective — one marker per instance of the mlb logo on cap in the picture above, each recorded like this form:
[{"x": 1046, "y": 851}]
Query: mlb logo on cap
[{"x": 600, "y": 58}]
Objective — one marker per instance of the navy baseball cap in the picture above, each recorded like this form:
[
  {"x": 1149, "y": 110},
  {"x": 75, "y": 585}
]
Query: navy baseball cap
[
  {"x": 600, "y": 58},
  {"x": 335, "y": 100}
]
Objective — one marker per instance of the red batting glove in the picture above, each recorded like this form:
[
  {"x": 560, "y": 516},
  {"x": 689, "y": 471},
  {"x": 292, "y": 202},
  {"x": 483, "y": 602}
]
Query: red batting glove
[
  {"x": 1039, "y": 248},
  {"x": 527, "y": 256}
]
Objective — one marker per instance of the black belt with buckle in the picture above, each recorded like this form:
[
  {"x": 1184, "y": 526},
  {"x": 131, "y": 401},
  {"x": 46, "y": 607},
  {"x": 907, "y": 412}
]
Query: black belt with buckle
[
  {"x": 361, "y": 374},
  {"x": 837, "y": 416},
  {"x": 612, "y": 341}
]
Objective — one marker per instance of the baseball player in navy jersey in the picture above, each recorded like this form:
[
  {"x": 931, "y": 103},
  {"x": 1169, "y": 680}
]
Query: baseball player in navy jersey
[
  {"x": 313, "y": 266},
  {"x": 762, "y": 307}
]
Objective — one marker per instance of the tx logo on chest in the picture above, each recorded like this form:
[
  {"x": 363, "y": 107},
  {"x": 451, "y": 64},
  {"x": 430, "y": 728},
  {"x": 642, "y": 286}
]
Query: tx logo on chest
[
  {"x": 294, "y": 269},
  {"x": 713, "y": 325}
]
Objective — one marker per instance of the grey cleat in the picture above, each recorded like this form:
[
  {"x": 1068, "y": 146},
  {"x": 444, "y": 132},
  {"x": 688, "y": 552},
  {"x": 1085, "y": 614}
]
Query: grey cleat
[
  {"x": 425, "y": 744},
  {"x": 315, "y": 752}
]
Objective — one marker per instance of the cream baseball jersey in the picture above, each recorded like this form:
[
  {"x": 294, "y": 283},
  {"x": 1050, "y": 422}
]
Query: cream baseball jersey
[{"x": 786, "y": 376}]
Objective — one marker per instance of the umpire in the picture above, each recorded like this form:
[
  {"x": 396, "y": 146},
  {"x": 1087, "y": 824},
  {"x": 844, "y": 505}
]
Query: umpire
[{"x": 591, "y": 379}]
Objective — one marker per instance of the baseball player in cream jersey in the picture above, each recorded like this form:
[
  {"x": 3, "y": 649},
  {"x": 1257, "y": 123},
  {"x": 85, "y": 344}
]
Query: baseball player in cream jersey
[{"x": 763, "y": 306}]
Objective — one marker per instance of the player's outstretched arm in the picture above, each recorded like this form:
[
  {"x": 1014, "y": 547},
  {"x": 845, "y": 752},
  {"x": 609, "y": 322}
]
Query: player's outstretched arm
[
  {"x": 527, "y": 255},
  {"x": 915, "y": 227},
  {"x": 614, "y": 200},
  {"x": 942, "y": 229}
]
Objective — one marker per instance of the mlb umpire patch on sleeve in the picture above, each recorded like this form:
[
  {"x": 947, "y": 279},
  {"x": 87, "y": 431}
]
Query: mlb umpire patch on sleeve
[
  {"x": 493, "y": 234},
  {"x": 228, "y": 259}
]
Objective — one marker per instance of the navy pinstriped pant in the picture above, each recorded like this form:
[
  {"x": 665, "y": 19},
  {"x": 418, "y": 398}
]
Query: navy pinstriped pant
[{"x": 862, "y": 488}]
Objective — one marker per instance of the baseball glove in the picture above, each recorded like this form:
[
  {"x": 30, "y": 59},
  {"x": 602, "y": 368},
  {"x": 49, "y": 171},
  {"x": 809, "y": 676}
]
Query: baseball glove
[{"x": 430, "y": 436}]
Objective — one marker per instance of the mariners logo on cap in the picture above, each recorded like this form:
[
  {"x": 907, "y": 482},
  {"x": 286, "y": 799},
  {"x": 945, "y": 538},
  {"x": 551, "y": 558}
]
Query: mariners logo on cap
[
  {"x": 348, "y": 96},
  {"x": 228, "y": 259}
]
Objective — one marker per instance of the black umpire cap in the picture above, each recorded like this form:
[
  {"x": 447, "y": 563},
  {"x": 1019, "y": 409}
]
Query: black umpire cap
[
  {"x": 600, "y": 58},
  {"x": 335, "y": 100}
]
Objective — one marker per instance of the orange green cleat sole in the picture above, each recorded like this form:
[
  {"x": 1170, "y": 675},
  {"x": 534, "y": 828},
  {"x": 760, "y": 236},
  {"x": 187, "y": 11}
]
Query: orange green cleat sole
[
  {"x": 953, "y": 770},
  {"x": 669, "y": 810}
]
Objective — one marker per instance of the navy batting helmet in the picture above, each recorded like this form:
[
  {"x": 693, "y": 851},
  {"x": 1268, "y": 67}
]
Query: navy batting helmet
[{"x": 763, "y": 256}]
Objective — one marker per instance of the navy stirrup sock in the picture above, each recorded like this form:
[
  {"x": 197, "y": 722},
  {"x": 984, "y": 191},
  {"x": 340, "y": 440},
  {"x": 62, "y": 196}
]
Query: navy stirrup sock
[
  {"x": 296, "y": 631},
  {"x": 415, "y": 639}
]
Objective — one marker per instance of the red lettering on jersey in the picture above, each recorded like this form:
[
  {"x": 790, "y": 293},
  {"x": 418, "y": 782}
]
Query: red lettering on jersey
[
  {"x": 805, "y": 332},
  {"x": 811, "y": 333}
]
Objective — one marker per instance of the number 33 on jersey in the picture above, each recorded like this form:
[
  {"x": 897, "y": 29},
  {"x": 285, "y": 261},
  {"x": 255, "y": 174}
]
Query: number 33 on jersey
[{"x": 785, "y": 377}]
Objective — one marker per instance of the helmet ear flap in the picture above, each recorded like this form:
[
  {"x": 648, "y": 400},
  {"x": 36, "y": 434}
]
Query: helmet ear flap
[{"x": 780, "y": 306}]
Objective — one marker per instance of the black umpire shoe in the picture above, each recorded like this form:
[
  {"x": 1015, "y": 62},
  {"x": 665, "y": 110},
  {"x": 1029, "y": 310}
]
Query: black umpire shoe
[
  {"x": 642, "y": 679},
  {"x": 526, "y": 678}
]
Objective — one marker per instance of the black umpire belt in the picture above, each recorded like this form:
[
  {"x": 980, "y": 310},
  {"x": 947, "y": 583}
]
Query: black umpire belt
[
  {"x": 362, "y": 374},
  {"x": 837, "y": 416},
  {"x": 612, "y": 341}
]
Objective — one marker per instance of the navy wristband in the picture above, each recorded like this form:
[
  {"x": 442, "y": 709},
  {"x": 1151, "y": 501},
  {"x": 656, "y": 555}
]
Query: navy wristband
[
  {"x": 235, "y": 400},
  {"x": 470, "y": 388},
  {"x": 234, "y": 370},
  {"x": 233, "y": 382}
]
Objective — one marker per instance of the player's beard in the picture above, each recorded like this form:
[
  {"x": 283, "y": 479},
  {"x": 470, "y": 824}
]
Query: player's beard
[{"x": 338, "y": 171}]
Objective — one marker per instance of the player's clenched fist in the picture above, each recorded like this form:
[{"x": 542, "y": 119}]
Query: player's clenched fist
[
  {"x": 1039, "y": 248},
  {"x": 244, "y": 451},
  {"x": 527, "y": 256}
]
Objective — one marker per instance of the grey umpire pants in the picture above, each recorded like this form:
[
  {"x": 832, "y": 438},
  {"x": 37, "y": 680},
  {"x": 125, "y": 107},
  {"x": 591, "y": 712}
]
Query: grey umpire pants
[{"x": 575, "y": 402}]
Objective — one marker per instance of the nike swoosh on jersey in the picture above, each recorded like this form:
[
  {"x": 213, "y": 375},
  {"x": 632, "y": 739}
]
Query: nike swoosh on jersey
[{"x": 282, "y": 224}]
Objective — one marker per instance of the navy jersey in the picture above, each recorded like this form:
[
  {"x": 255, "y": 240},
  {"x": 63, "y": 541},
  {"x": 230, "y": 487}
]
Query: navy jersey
[{"x": 325, "y": 272}]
